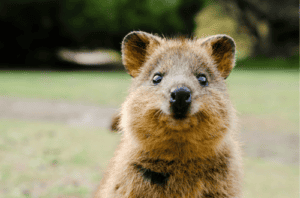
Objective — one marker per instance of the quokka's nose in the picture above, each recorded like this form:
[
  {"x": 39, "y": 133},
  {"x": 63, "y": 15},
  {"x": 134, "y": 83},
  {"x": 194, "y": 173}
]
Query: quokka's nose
[{"x": 180, "y": 100}]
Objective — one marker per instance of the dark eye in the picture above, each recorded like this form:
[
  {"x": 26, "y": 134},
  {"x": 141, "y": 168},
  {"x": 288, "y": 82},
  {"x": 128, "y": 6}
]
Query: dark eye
[
  {"x": 157, "y": 78},
  {"x": 202, "y": 80}
]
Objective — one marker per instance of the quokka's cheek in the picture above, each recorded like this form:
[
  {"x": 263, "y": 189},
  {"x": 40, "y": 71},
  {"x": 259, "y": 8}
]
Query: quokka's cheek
[
  {"x": 197, "y": 105},
  {"x": 165, "y": 107}
]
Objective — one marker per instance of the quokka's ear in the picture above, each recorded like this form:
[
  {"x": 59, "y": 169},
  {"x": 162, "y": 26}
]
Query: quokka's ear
[
  {"x": 222, "y": 49},
  {"x": 135, "y": 48},
  {"x": 115, "y": 122}
]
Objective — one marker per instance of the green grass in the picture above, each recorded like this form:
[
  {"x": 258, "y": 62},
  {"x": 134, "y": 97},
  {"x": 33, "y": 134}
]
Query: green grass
[
  {"x": 97, "y": 87},
  {"x": 268, "y": 94},
  {"x": 52, "y": 160},
  {"x": 270, "y": 180}
]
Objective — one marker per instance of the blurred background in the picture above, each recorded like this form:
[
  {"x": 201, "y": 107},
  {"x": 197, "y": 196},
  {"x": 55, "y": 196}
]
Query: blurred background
[{"x": 61, "y": 80}]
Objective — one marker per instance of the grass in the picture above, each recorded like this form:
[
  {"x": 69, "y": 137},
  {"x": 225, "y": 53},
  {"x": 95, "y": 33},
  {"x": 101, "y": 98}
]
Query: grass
[
  {"x": 270, "y": 180},
  {"x": 107, "y": 88},
  {"x": 40, "y": 159},
  {"x": 266, "y": 94}
]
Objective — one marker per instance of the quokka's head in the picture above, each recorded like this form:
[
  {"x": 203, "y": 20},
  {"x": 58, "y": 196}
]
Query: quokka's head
[{"x": 178, "y": 84}]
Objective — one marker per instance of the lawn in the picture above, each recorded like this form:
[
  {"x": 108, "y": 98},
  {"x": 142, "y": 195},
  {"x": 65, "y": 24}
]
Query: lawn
[
  {"x": 109, "y": 88},
  {"x": 266, "y": 94},
  {"x": 41, "y": 159}
]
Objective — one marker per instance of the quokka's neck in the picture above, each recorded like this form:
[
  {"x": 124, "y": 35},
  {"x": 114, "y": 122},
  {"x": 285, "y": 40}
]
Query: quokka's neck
[
  {"x": 169, "y": 164},
  {"x": 178, "y": 145},
  {"x": 182, "y": 151}
]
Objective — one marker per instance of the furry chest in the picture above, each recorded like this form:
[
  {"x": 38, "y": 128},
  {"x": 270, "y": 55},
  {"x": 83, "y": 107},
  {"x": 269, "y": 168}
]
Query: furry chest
[{"x": 197, "y": 178}]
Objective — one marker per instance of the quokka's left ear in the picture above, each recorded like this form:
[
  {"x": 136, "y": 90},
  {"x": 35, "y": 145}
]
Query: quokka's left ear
[
  {"x": 136, "y": 46},
  {"x": 222, "y": 49}
]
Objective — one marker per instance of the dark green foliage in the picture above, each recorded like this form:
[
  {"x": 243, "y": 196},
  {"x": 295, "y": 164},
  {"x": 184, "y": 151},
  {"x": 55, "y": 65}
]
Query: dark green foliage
[{"x": 104, "y": 23}]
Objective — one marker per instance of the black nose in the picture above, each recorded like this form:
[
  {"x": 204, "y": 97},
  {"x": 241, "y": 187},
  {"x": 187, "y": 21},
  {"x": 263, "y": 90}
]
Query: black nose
[{"x": 180, "y": 101}]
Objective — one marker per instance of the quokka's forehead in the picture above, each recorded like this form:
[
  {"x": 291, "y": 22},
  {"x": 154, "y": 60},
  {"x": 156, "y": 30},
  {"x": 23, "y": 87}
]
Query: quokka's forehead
[{"x": 182, "y": 56}]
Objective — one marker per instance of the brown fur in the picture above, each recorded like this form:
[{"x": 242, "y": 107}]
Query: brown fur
[{"x": 160, "y": 156}]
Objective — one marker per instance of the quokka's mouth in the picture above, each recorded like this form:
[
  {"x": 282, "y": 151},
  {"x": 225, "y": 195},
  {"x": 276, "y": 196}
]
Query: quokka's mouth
[{"x": 180, "y": 116}]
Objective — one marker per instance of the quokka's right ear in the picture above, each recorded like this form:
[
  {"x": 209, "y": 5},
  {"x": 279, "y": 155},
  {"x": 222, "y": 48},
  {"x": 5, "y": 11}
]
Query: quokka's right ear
[
  {"x": 222, "y": 50},
  {"x": 136, "y": 46}
]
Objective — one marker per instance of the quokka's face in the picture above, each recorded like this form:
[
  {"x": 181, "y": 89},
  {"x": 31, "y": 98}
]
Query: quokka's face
[{"x": 178, "y": 82}]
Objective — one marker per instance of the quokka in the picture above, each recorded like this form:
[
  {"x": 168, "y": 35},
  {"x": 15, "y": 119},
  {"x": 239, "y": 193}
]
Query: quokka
[{"x": 178, "y": 124}]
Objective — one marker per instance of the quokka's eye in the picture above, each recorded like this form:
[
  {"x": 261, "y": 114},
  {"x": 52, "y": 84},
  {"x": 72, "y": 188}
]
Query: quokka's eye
[
  {"x": 202, "y": 80},
  {"x": 157, "y": 78}
]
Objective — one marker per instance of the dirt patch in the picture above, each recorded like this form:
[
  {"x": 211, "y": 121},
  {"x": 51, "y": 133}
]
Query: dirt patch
[
  {"x": 273, "y": 140},
  {"x": 75, "y": 114},
  {"x": 261, "y": 138}
]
